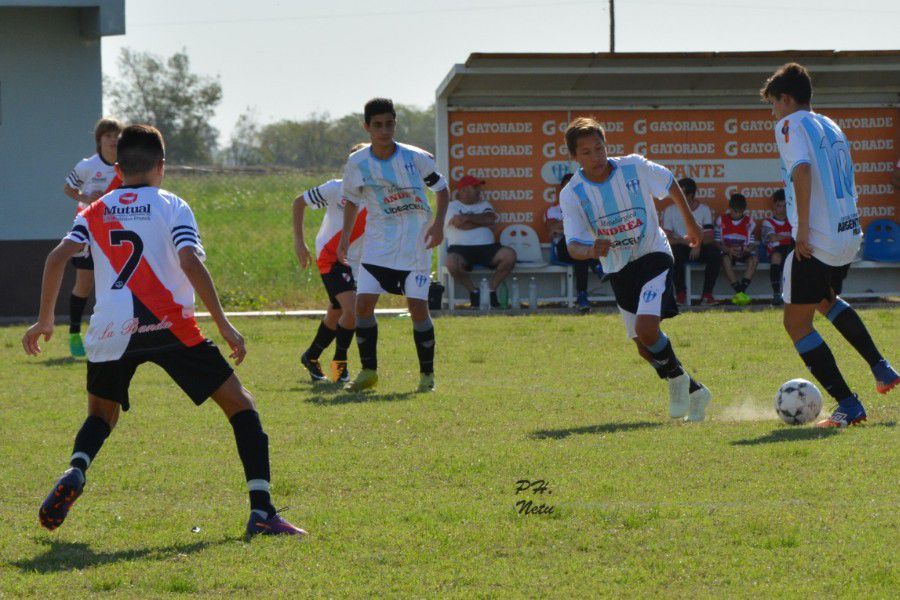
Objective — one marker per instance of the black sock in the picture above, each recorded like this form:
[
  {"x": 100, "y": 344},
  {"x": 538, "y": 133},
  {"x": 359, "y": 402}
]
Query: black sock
[
  {"x": 253, "y": 448},
  {"x": 423, "y": 334},
  {"x": 342, "y": 341},
  {"x": 820, "y": 361},
  {"x": 847, "y": 321},
  {"x": 76, "y": 310},
  {"x": 775, "y": 272},
  {"x": 88, "y": 442},
  {"x": 664, "y": 357},
  {"x": 736, "y": 286},
  {"x": 323, "y": 337},
  {"x": 745, "y": 283},
  {"x": 495, "y": 303},
  {"x": 367, "y": 342}
]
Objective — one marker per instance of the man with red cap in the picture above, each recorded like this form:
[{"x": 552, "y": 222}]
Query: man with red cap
[{"x": 471, "y": 242}]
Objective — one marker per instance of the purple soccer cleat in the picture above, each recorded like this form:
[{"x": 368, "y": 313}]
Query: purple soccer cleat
[
  {"x": 274, "y": 525},
  {"x": 61, "y": 498}
]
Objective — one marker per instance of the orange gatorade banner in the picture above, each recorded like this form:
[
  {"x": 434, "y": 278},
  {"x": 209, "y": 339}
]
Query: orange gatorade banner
[{"x": 522, "y": 154}]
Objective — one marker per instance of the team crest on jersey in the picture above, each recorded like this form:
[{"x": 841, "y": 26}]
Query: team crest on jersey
[
  {"x": 410, "y": 168},
  {"x": 346, "y": 277},
  {"x": 786, "y": 132},
  {"x": 633, "y": 185},
  {"x": 128, "y": 198}
]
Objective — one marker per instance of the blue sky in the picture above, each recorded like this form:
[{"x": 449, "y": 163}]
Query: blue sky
[{"x": 290, "y": 59}]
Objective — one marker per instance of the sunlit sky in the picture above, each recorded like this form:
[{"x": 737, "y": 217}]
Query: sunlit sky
[{"x": 290, "y": 59}]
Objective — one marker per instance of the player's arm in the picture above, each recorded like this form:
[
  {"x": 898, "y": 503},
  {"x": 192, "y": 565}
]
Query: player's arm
[
  {"x": 435, "y": 233},
  {"x": 201, "y": 280},
  {"x": 77, "y": 196},
  {"x": 350, "y": 211},
  {"x": 694, "y": 234},
  {"x": 581, "y": 242},
  {"x": 802, "y": 178},
  {"x": 300, "y": 248},
  {"x": 54, "y": 267},
  {"x": 485, "y": 219}
]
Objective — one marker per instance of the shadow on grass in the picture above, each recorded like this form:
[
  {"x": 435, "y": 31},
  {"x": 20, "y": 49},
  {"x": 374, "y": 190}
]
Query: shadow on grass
[
  {"x": 339, "y": 396},
  {"x": 558, "y": 434},
  {"x": 799, "y": 434},
  {"x": 68, "y": 556},
  {"x": 62, "y": 361}
]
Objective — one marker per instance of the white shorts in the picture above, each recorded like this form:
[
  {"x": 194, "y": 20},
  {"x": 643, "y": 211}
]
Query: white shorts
[
  {"x": 375, "y": 279},
  {"x": 649, "y": 303}
]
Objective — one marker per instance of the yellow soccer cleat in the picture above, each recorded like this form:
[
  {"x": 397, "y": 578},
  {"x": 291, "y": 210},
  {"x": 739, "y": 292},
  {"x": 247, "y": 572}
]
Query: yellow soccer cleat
[{"x": 366, "y": 379}]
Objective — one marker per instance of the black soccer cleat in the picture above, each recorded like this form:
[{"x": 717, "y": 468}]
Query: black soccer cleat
[
  {"x": 315, "y": 369},
  {"x": 61, "y": 498}
]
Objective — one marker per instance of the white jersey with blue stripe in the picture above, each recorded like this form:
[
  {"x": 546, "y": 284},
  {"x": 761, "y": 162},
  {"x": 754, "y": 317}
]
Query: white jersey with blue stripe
[
  {"x": 805, "y": 137},
  {"x": 393, "y": 190},
  {"x": 620, "y": 210}
]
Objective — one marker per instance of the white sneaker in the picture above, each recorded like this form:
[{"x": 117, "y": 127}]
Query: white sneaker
[
  {"x": 679, "y": 395},
  {"x": 699, "y": 401}
]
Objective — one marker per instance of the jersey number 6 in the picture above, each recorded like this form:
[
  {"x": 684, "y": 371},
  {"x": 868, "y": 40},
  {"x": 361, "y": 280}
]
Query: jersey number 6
[{"x": 116, "y": 238}]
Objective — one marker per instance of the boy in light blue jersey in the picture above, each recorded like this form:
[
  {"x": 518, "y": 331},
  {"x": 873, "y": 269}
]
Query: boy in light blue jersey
[
  {"x": 821, "y": 206},
  {"x": 609, "y": 214}
]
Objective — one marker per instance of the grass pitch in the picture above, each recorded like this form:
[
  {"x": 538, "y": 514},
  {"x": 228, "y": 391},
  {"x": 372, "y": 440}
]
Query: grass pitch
[{"x": 415, "y": 495}]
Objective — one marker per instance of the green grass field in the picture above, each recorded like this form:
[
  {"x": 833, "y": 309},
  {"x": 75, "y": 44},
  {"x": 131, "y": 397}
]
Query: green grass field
[
  {"x": 245, "y": 224},
  {"x": 414, "y": 495}
]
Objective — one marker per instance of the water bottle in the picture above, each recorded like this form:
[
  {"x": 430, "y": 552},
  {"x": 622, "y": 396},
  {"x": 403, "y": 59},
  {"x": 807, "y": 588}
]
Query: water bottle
[
  {"x": 532, "y": 294},
  {"x": 485, "y": 293},
  {"x": 514, "y": 301}
]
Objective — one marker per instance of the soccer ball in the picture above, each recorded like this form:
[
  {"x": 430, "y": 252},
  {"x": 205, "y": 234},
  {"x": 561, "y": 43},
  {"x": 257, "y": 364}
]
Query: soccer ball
[{"x": 798, "y": 401}]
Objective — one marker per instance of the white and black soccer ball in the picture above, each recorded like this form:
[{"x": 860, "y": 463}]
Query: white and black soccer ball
[{"x": 798, "y": 401}]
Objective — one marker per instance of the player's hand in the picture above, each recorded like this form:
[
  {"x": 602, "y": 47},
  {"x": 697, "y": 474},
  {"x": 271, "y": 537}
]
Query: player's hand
[
  {"x": 95, "y": 196},
  {"x": 693, "y": 236},
  {"x": 302, "y": 254},
  {"x": 695, "y": 252},
  {"x": 601, "y": 248},
  {"x": 456, "y": 221},
  {"x": 32, "y": 337},
  {"x": 802, "y": 248},
  {"x": 434, "y": 235},
  {"x": 235, "y": 341},
  {"x": 341, "y": 252}
]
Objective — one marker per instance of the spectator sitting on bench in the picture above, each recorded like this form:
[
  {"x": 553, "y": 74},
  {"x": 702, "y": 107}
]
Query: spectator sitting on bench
[
  {"x": 560, "y": 252},
  {"x": 470, "y": 240},
  {"x": 734, "y": 234},
  {"x": 707, "y": 252},
  {"x": 776, "y": 233}
]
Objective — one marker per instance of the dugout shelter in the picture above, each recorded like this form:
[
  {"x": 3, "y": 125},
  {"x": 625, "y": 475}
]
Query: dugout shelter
[
  {"x": 501, "y": 117},
  {"x": 51, "y": 88}
]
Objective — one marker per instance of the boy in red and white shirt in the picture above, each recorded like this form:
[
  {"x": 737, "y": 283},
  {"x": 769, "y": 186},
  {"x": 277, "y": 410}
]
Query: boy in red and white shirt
[
  {"x": 776, "y": 233},
  {"x": 91, "y": 178},
  {"x": 734, "y": 235},
  {"x": 338, "y": 278},
  {"x": 148, "y": 262}
]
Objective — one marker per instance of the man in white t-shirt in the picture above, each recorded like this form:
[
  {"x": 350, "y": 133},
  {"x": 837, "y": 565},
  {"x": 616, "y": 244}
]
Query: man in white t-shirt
[
  {"x": 707, "y": 252},
  {"x": 820, "y": 190},
  {"x": 471, "y": 242}
]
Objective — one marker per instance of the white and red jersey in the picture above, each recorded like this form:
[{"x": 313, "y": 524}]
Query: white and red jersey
[
  {"x": 144, "y": 299},
  {"x": 92, "y": 175},
  {"x": 731, "y": 232},
  {"x": 398, "y": 216},
  {"x": 781, "y": 228},
  {"x": 329, "y": 196}
]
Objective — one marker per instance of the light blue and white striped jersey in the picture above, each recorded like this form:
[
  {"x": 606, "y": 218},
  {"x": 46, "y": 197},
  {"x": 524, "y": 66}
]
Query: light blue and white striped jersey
[
  {"x": 621, "y": 210},
  {"x": 814, "y": 139},
  {"x": 393, "y": 190}
]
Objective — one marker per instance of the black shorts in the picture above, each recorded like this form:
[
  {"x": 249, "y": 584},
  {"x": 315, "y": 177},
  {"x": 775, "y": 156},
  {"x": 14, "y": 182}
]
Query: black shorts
[
  {"x": 628, "y": 282},
  {"x": 198, "y": 370},
  {"x": 809, "y": 281},
  {"x": 85, "y": 263},
  {"x": 337, "y": 281},
  {"x": 476, "y": 255}
]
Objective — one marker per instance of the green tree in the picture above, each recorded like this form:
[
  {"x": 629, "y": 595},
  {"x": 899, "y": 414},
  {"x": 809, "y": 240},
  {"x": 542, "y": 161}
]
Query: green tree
[{"x": 166, "y": 94}]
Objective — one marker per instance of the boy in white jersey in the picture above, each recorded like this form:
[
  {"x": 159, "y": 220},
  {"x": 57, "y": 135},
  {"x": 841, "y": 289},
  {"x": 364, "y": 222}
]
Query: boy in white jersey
[
  {"x": 338, "y": 278},
  {"x": 148, "y": 261},
  {"x": 389, "y": 179},
  {"x": 91, "y": 178},
  {"x": 609, "y": 214},
  {"x": 821, "y": 207}
]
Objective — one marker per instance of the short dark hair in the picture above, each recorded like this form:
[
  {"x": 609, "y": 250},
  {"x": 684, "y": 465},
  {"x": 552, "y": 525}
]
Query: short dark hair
[
  {"x": 778, "y": 195},
  {"x": 565, "y": 180},
  {"x": 378, "y": 106},
  {"x": 104, "y": 126},
  {"x": 140, "y": 149},
  {"x": 792, "y": 79},
  {"x": 582, "y": 127},
  {"x": 687, "y": 185},
  {"x": 737, "y": 202}
]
